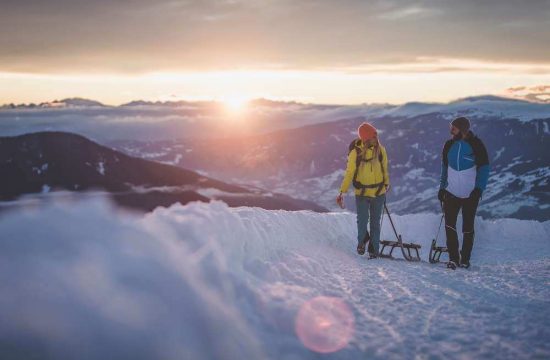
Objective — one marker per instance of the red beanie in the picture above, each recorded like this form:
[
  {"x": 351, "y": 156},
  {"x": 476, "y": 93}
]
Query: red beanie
[{"x": 367, "y": 131}]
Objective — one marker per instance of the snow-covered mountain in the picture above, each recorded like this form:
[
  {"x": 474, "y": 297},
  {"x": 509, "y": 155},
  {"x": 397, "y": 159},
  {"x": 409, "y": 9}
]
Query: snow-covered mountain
[
  {"x": 153, "y": 121},
  {"x": 475, "y": 107},
  {"x": 56, "y": 104},
  {"x": 299, "y": 149},
  {"x": 80, "y": 280},
  {"x": 309, "y": 162},
  {"x": 42, "y": 162}
]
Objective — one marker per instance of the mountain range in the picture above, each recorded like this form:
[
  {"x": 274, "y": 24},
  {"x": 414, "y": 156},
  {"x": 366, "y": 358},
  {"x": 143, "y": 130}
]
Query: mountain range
[
  {"x": 154, "y": 121},
  {"x": 300, "y": 149},
  {"x": 309, "y": 162},
  {"x": 48, "y": 161}
]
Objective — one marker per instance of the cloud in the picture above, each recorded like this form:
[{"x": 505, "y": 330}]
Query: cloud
[
  {"x": 412, "y": 12},
  {"x": 169, "y": 35},
  {"x": 539, "y": 93}
]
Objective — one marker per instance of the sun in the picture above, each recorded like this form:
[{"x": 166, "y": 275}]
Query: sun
[{"x": 235, "y": 104}]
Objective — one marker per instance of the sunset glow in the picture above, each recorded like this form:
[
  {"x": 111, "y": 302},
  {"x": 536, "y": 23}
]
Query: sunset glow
[
  {"x": 372, "y": 52},
  {"x": 235, "y": 104},
  {"x": 389, "y": 84}
]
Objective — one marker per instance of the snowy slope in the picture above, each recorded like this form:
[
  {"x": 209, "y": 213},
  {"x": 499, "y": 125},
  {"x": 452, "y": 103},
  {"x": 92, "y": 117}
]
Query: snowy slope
[
  {"x": 473, "y": 107},
  {"x": 205, "y": 281}
]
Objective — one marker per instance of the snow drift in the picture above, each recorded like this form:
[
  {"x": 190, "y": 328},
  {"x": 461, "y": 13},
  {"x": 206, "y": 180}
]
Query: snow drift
[{"x": 82, "y": 280}]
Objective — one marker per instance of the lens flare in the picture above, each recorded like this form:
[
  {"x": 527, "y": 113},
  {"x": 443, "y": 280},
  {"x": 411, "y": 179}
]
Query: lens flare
[{"x": 325, "y": 324}]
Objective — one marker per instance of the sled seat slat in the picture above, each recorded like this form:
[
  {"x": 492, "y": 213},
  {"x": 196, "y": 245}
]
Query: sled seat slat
[{"x": 396, "y": 243}]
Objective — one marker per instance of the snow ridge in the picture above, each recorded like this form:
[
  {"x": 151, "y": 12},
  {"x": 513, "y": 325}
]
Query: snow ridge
[{"x": 207, "y": 281}]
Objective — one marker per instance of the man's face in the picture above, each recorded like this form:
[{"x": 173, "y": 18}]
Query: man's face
[{"x": 454, "y": 131}]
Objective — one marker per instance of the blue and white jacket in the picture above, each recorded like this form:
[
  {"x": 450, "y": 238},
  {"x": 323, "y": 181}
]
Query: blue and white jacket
[{"x": 464, "y": 166}]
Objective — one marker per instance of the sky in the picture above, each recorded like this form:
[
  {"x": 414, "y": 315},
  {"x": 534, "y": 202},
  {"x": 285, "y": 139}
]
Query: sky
[{"x": 345, "y": 51}]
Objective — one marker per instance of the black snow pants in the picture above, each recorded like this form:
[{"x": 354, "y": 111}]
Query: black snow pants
[{"x": 452, "y": 206}]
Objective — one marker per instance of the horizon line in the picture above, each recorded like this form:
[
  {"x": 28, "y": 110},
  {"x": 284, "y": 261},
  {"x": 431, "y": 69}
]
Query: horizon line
[{"x": 192, "y": 100}]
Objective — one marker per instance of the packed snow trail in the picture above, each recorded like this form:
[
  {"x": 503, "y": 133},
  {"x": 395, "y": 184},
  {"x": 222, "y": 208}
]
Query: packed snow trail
[{"x": 206, "y": 281}]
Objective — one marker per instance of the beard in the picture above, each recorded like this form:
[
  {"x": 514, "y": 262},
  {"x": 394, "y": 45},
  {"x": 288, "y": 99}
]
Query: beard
[{"x": 456, "y": 137}]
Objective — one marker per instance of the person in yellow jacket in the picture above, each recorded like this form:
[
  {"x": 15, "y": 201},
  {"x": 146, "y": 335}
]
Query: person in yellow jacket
[{"x": 367, "y": 170}]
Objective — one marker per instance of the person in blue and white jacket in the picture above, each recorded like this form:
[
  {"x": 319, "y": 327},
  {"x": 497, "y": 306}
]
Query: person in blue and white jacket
[{"x": 464, "y": 176}]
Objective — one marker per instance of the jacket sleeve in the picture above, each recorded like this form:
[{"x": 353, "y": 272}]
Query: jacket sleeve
[
  {"x": 386, "y": 167},
  {"x": 482, "y": 162},
  {"x": 444, "y": 165},
  {"x": 443, "y": 177},
  {"x": 350, "y": 170}
]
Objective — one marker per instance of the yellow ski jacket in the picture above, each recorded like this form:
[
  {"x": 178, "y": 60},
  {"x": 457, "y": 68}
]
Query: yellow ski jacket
[{"x": 371, "y": 173}]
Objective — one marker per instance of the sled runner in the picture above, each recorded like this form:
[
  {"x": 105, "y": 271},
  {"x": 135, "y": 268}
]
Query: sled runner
[
  {"x": 409, "y": 250},
  {"x": 436, "y": 251}
]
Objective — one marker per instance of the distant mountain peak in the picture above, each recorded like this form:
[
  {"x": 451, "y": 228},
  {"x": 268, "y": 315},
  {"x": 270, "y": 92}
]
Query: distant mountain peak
[
  {"x": 273, "y": 103},
  {"x": 77, "y": 101},
  {"x": 486, "y": 98},
  {"x": 64, "y": 103},
  {"x": 160, "y": 103}
]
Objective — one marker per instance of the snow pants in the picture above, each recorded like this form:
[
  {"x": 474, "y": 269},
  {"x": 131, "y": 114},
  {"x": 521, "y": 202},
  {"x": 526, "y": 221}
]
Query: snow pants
[
  {"x": 452, "y": 206},
  {"x": 369, "y": 210}
]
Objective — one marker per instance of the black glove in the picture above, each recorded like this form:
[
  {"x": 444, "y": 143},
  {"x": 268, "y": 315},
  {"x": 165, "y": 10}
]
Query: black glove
[
  {"x": 441, "y": 195},
  {"x": 476, "y": 194}
]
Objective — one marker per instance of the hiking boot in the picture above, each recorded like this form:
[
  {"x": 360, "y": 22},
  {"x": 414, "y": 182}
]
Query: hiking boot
[
  {"x": 361, "y": 248},
  {"x": 464, "y": 264},
  {"x": 451, "y": 265},
  {"x": 372, "y": 255}
]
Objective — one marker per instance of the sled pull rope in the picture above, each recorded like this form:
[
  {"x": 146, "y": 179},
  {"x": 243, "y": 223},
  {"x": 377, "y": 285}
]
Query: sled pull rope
[
  {"x": 381, "y": 222},
  {"x": 440, "y": 223},
  {"x": 391, "y": 221},
  {"x": 436, "y": 251},
  {"x": 438, "y": 230}
]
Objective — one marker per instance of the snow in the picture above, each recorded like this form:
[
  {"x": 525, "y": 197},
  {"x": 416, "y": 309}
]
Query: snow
[
  {"x": 81, "y": 279},
  {"x": 152, "y": 155},
  {"x": 101, "y": 167},
  {"x": 314, "y": 188},
  {"x": 474, "y": 107},
  {"x": 499, "y": 153},
  {"x": 174, "y": 162},
  {"x": 512, "y": 201},
  {"x": 213, "y": 193}
]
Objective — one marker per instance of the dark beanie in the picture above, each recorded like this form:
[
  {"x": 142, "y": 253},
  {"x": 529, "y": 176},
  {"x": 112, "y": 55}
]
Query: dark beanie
[{"x": 462, "y": 124}]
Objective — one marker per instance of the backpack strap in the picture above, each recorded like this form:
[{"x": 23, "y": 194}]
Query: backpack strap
[
  {"x": 480, "y": 152},
  {"x": 354, "y": 144}
]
